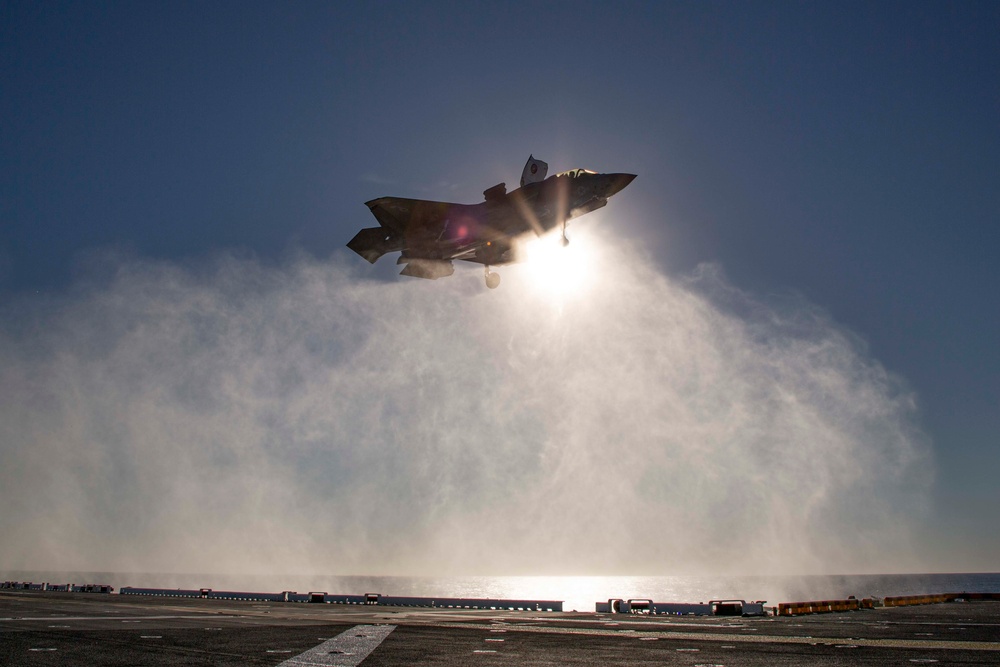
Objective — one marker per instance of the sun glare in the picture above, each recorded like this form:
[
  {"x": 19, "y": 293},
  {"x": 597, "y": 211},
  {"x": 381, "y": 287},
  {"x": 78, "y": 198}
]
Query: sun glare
[{"x": 556, "y": 269}]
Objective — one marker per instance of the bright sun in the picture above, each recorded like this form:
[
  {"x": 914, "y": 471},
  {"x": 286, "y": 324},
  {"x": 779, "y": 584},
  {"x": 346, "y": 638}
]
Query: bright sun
[{"x": 556, "y": 269}]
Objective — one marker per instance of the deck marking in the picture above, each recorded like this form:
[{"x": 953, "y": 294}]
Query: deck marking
[
  {"x": 347, "y": 649},
  {"x": 744, "y": 639}
]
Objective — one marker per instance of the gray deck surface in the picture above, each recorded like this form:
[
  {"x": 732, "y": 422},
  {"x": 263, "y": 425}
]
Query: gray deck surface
[{"x": 47, "y": 628}]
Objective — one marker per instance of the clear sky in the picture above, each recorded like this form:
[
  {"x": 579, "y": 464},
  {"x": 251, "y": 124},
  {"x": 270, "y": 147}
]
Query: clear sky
[{"x": 846, "y": 155}]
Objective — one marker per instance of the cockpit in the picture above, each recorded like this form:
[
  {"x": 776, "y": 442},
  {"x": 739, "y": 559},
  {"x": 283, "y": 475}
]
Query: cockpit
[{"x": 573, "y": 173}]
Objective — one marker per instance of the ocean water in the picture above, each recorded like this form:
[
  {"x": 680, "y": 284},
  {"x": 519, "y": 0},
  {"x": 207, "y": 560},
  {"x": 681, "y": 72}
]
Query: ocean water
[{"x": 577, "y": 592}]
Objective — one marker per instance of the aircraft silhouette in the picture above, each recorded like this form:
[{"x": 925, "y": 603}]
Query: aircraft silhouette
[{"x": 431, "y": 234}]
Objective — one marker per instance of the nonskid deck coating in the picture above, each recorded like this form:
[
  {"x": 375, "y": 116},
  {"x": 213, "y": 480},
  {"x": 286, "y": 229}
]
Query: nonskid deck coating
[{"x": 38, "y": 628}]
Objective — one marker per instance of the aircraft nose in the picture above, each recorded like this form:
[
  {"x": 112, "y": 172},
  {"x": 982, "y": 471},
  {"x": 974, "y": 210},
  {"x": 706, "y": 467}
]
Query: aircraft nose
[{"x": 618, "y": 182}]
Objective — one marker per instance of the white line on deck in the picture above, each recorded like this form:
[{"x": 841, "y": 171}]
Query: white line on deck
[{"x": 347, "y": 649}]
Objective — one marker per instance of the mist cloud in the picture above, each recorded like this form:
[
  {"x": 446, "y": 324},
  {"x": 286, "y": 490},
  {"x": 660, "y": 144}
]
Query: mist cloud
[{"x": 240, "y": 417}]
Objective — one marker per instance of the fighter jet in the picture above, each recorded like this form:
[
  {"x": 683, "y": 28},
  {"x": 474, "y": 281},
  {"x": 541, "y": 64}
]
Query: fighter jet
[{"x": 430, "y": 235}]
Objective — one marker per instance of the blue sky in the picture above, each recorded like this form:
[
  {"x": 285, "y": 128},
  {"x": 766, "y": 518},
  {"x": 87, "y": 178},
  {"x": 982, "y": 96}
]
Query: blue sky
[{"x": 843, "y": 152}]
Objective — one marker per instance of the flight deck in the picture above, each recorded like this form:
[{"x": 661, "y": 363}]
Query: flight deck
[{"x": 67, "y": 628}]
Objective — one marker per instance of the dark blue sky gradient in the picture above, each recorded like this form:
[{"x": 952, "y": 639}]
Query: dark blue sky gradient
[{"x": 847, "y": 151}]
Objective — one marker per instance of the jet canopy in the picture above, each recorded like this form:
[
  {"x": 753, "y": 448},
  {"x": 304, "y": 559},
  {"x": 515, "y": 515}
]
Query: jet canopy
[{"x": 573, "y": 173}]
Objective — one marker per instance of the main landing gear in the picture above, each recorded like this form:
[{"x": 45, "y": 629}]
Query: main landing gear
[{"x": 492, "y": 279}]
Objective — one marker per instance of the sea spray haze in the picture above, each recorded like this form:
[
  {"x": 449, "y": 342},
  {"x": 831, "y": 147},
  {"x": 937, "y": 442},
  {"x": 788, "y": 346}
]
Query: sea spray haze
[{"x": 242, "y": 417}]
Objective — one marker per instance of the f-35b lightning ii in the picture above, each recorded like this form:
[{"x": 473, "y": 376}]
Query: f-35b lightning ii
[{"x": 431, "y": 234}]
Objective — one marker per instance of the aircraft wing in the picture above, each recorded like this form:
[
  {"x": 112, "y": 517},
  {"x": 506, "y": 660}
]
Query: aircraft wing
[
  {"x": 411, "y": 216},
  {"x": 421, "y": 228}
]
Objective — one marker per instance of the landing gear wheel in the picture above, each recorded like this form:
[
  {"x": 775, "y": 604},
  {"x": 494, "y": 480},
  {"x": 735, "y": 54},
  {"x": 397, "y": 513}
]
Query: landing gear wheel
[
  {"x": 565, "y": 240},
  {"x": 492, "y": 279}
]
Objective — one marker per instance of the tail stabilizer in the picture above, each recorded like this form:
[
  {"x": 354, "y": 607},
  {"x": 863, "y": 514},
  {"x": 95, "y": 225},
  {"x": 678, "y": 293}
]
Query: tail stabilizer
[{"x": 373, "y": 242}]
